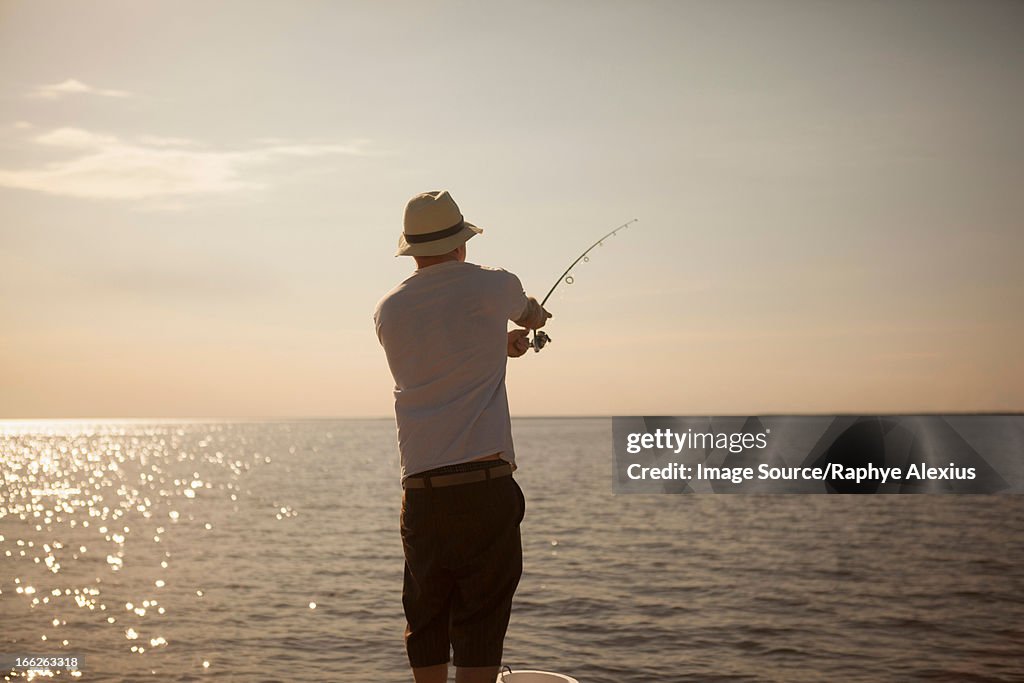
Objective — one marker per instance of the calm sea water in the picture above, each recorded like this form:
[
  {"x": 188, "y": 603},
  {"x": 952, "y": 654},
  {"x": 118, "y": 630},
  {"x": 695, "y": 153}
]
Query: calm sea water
[{"x": 261, "y": 551}]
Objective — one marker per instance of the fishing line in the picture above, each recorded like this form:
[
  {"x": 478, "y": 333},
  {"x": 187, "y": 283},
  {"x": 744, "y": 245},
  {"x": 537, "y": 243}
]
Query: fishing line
[{"x": 540, "y": 338}]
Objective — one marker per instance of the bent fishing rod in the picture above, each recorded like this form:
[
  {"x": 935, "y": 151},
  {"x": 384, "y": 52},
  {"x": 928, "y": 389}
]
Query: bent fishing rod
[{"x": 541, "y": 338}]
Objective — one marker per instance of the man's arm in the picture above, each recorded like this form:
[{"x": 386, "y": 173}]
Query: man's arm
[
  {"x": 533, "y": 316},
  {"x": 518, "y": 343}
]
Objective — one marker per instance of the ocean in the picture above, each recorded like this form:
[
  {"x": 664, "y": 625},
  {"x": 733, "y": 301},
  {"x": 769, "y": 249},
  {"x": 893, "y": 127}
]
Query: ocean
[{"x": 269, "y": 551}]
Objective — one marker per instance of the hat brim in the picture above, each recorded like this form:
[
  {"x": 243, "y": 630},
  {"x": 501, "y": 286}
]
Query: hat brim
[{"x": 438, "y": 247}]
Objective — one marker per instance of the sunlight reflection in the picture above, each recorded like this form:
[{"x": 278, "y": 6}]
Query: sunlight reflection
[{"x": 80, "y": 509}]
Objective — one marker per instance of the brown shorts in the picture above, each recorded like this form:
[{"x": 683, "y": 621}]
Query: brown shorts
[{"x": 463, "y": 561}]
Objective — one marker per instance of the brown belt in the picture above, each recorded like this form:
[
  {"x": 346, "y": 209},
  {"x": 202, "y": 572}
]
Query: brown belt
[{"x": 438, "y": 480}]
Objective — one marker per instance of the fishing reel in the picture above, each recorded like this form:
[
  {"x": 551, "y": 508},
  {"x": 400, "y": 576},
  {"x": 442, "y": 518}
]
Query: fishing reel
[{"x": 540, "y": 340}]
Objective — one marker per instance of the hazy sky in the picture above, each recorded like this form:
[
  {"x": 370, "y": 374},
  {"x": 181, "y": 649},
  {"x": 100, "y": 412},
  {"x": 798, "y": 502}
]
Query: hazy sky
[{"x": 199, "y": 201}]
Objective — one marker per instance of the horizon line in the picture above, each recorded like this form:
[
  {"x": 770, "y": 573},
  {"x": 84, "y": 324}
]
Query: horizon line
[{"x": 565, "y": 416}]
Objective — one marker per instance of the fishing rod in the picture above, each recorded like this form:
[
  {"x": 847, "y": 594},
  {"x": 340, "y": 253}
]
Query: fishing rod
[{"x": 541, "y": 338}]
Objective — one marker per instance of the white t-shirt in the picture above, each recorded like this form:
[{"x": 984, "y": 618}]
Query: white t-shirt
[{"x": 444, "y": 330}]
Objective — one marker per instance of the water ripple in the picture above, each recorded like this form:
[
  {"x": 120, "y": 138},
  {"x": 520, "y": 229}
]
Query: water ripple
[{"x": 270, "y": 551}]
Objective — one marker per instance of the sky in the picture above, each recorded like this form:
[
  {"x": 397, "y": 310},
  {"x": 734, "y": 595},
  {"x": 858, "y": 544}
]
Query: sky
[{"x": 200, "y": 202}]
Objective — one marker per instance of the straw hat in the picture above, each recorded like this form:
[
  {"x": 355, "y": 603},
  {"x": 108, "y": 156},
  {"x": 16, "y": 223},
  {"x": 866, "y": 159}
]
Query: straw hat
[{"x": 433, "y": 225}]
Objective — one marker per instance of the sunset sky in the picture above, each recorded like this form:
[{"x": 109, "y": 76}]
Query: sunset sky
[{"x": 200, "y": 202}]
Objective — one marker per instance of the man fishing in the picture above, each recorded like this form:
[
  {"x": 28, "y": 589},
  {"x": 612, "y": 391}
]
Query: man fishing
[{"x": 445, "y": 332}]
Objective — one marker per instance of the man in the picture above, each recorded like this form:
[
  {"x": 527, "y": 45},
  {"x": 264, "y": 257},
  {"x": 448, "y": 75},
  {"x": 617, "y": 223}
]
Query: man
[{"x": 445, "y": 332}]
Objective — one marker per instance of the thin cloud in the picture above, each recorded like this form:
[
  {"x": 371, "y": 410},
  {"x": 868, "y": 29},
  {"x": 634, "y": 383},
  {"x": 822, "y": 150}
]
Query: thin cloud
[
  {"x": 104, "y": 166},
  {"x": 72, "y": 86},
  {"x": 75, "y": 138}
]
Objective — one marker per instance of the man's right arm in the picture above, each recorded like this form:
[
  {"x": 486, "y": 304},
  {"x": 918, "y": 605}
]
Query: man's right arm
[{"x": 533, "y": 316}]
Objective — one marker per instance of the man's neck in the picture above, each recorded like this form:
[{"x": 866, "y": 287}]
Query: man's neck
[{"x": 427, "y": 261}]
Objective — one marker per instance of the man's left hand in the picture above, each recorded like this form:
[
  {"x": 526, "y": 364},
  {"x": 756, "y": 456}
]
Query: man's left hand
[{"x": 518, "y": 343}]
